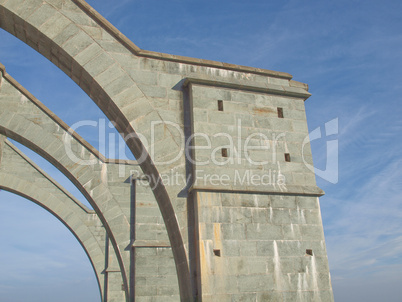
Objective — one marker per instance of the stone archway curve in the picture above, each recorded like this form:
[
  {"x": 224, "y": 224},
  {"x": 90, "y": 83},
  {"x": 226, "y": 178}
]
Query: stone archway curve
[
  {"x": 27, "y": 121},
  {"x": 62, "y": 32},
  {"x": 20, "y": 176}
]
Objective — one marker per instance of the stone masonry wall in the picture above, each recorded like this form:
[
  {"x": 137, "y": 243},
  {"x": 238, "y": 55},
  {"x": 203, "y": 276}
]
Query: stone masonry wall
[
  {"x": 255, "y": 236},
  {"x": 262, "y": 240}
]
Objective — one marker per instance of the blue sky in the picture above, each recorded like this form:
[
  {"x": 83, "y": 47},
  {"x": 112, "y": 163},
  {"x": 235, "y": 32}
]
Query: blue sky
[{"x": 350, "y": 54}]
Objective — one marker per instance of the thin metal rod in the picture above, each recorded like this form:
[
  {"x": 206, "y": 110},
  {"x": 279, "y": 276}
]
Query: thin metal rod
[{"x": 132, "y": 239}]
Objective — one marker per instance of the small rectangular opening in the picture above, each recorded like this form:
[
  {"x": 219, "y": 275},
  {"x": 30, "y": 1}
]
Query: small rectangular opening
[
  {"x": 309, "y": 252},
  {"x": 280, "y": 112},
  {"x": 217, "y": 252},
  {"x": 220, "y": 105},
  {"x": 287, "y": 157},
  {"x": 224, "y": 152}
]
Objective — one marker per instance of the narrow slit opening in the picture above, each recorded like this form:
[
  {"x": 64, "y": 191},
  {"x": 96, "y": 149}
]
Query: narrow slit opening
[
  {"x": 224, "y": 152},
  {"x": 220, "y": 105},
  {"x": 280, "y": 112}
]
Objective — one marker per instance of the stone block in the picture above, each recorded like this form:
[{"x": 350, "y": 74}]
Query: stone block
[
  {"x": 272, "y": 296},
  {"x": 41, "y": 15},
  {"x": 98, "y": 64},
  {"x": 255, "y": 283},
  {"x": 251, "y": 297},
  {"x": 263, "y": 232},
  {"x": 153, "y": 91},
  {"x": 110, "y": 74},
  {"x": 77, "y": 16}
]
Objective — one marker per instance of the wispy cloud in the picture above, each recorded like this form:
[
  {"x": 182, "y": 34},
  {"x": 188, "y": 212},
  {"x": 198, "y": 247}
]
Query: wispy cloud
[{"x": 365, "y": 234}]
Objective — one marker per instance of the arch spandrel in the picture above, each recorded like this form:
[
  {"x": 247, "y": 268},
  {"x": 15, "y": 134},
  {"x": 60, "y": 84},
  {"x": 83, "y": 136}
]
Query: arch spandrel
[{"x": 92, "y": 57}]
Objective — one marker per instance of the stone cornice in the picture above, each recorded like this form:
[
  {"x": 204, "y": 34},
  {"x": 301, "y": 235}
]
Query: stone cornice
[
  {"x": 297, "y": 92},
  {"x": 288, "y": 190}
]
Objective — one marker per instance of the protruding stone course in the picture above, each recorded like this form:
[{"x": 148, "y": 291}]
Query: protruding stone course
[{"x": 229, "y": 215}]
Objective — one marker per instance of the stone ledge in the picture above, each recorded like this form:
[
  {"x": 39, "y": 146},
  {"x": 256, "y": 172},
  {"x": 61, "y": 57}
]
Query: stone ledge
[
  {"x": 290, "y": 190},
  {"x": 291, "y": 91},
  {"x": 150, "y": 243},
  {"x": 112, "y": 270}
]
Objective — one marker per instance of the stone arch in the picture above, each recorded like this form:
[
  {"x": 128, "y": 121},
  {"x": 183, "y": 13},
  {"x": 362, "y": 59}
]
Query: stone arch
[
  {"x": 79, "y": 45},
  {"x": 33, "y": 125},
  {"x": 20, "y": 176}
]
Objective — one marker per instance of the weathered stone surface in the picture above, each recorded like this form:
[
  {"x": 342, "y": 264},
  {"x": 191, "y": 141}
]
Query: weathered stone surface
[{"x": 225, "y": 217}]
